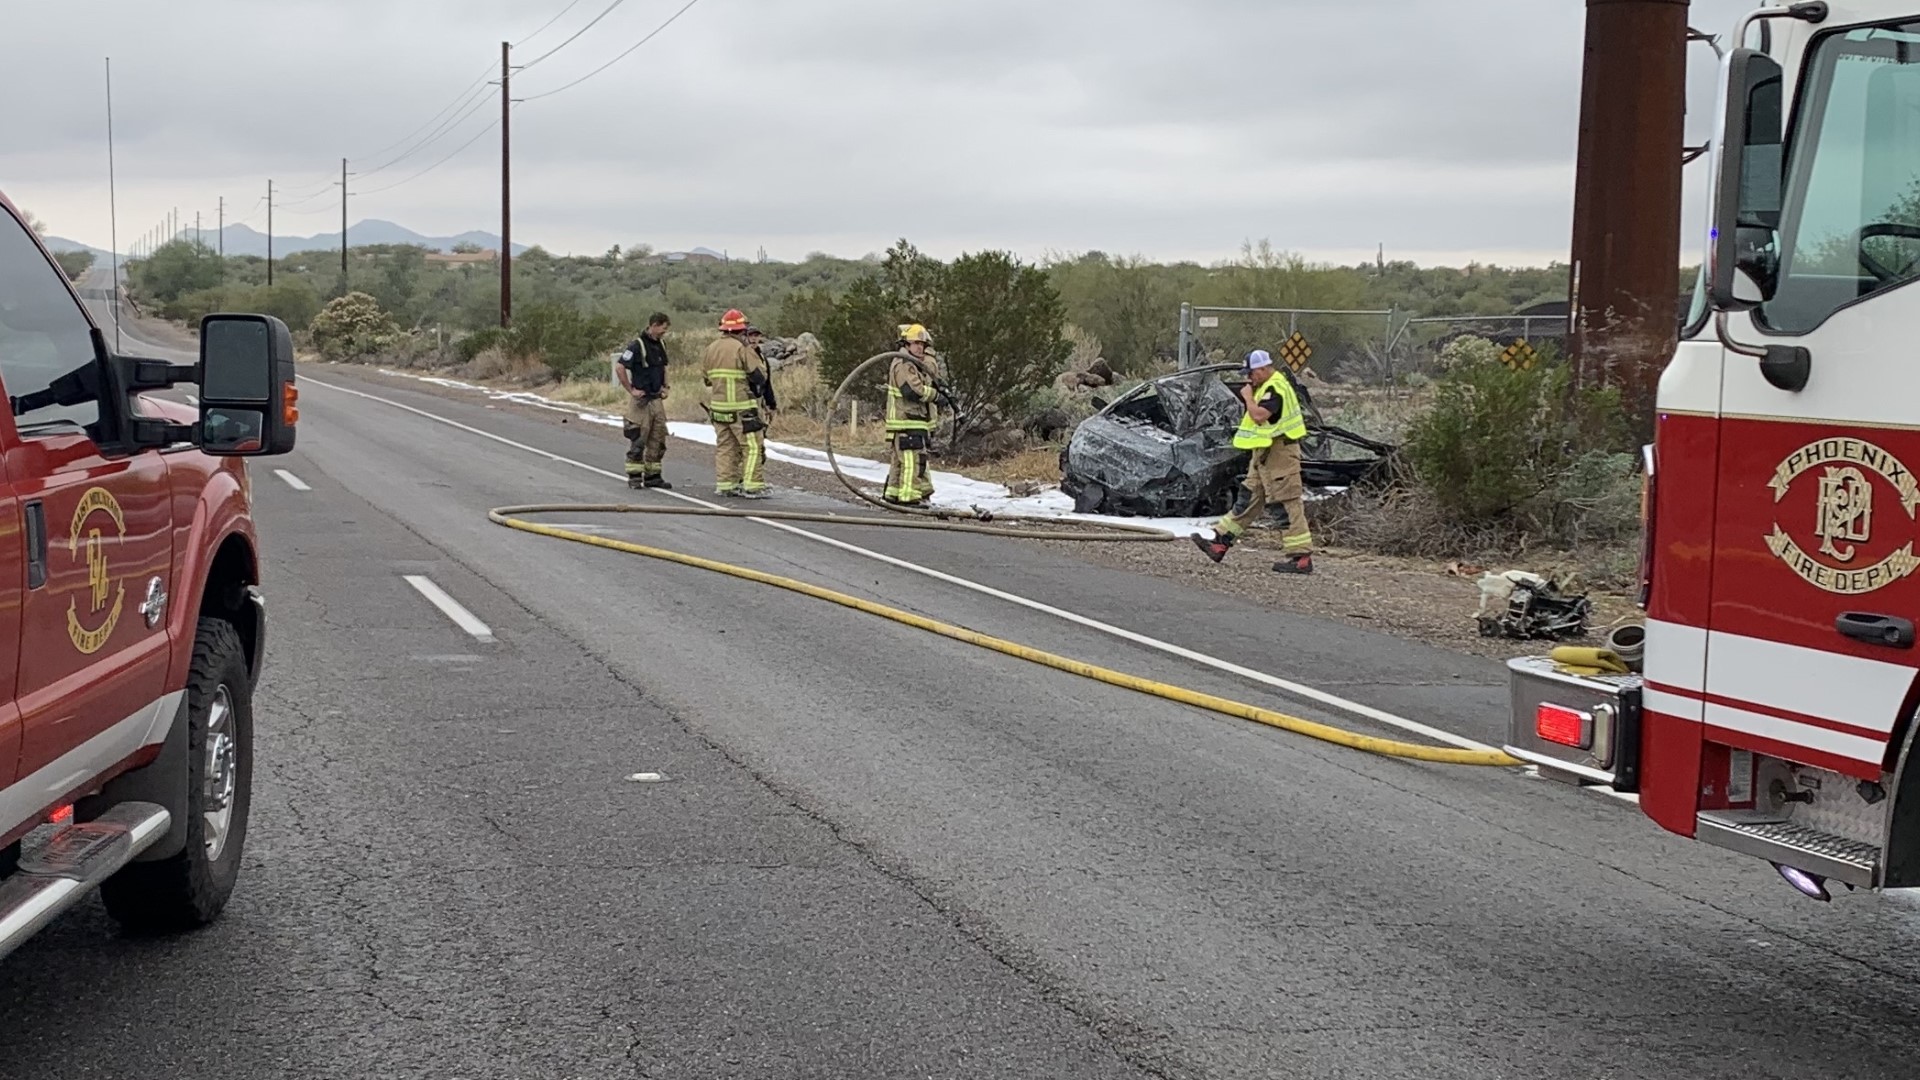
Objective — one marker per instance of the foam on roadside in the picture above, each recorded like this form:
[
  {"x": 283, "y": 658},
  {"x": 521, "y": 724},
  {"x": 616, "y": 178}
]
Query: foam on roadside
[{"x": 952, "y": 491}]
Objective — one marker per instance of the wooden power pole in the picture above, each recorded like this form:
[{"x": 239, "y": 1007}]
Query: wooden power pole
[
  {"x": 1624, "y": 282},
  {"x": 506, "y": 190}
]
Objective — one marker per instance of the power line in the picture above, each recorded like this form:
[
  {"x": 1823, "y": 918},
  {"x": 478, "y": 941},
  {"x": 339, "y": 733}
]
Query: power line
[
  {"x": 617, "y": 59},
  {"x": 477, "y": 98},
  {"x": 543, "y": 26},
  {"x": 458, "y": 100},
  {"x": 437, "y": 164},
  {"x": 576, "y": 34}
]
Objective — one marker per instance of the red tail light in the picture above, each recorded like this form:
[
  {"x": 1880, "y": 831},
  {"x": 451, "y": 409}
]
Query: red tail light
[
  {"x": 1568, "y": 727},
  {"x": 61, "y": 815}
]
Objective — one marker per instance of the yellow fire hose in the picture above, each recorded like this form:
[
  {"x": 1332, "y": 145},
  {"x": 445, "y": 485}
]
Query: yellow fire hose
[{"x": 510, "y": 517}]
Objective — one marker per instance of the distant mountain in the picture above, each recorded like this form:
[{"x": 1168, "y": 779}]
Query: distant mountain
[
  {"x": 61, "y": 243},
  {"x": 245, "y": 240}
]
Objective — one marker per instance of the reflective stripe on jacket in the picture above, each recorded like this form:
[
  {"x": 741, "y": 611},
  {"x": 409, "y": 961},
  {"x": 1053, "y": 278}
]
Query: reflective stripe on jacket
[
  {"x": 727, "y": 362},
  {"x": 1287, "y": 423},
  {"x": 910, "y": 395}
]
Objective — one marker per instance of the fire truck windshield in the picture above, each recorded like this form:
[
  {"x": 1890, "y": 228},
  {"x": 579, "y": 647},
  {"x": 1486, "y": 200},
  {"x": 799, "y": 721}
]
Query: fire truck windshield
[{"x": 1850, "y": 225}]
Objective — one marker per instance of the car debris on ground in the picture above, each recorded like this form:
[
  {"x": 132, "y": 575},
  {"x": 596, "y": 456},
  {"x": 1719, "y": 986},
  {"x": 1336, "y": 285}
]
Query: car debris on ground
[{"x": 1526, "y": 606}]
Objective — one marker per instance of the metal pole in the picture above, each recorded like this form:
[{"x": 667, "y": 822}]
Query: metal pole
[
  {"x": 506, "y": 191},
  {"x": 269, "y": 233},
  {"x": 113, "y": 212},
  {"x": 343, "y": 224},
  {"x": 1186, "y": 335},
  {"x": 222, "y": 239},
  {"x": 1624, "y": 281}
]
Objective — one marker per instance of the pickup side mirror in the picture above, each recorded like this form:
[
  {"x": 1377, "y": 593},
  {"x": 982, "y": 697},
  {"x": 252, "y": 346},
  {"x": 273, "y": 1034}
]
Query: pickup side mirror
[
  {"x": 248, "y": 402},
  {"x": 1746, "y": 213}
]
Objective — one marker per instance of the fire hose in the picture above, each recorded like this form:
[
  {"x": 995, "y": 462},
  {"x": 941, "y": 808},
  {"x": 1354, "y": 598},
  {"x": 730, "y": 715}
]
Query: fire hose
[{"x": 513, "y": 518}]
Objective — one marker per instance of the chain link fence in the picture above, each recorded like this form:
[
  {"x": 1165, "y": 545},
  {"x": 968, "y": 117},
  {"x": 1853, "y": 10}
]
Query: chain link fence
[
  {"x": 1332, "y": 345},
  {"x": 1358, "y": 348}
]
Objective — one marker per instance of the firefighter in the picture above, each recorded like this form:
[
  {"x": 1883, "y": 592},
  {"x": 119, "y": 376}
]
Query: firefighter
[
  {"x": 738, "y": 390},
  {"x": 1272, "y": 429},
  {"x": 912, "y": 387},
  {"x": 643, "y": 373}
]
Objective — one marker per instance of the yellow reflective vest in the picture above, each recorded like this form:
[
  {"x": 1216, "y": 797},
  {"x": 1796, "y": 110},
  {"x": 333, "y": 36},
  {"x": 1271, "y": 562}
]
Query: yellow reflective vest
[{"x": 1288, "y": 423}]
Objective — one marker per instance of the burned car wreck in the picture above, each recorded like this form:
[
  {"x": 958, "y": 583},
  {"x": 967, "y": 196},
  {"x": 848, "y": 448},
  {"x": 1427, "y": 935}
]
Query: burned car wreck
[{"x": 1165, "y": 449}]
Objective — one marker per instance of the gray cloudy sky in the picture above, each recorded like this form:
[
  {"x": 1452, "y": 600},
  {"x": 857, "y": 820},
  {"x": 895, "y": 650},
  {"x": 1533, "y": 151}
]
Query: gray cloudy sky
[{"x": 1168, "y": 128}]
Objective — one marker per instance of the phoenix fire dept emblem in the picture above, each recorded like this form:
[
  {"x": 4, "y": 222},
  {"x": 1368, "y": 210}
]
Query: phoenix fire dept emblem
[
  {"x": 1843, "y": 513},
  {"x": 98, "y": 510}
]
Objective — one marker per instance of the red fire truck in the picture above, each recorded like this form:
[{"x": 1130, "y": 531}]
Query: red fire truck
[
  {"x": 131, "y": 623},
  {"x": 1774, "y": 710}
]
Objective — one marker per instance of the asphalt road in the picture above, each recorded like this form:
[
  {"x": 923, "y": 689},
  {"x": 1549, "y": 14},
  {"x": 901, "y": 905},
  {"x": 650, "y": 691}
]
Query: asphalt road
[{"x": 879, "y": 853}]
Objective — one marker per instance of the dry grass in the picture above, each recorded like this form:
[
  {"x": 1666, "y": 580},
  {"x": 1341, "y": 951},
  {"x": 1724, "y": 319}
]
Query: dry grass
[
  {"x": 494, "y": 365},
  {"x": 589, "y": 392},
  {"x": 1034, "y": 465}
]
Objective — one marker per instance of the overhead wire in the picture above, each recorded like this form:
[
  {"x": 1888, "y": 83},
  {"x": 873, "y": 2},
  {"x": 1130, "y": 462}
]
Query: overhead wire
[
  {"x": 543, "y": 26},
  {"x": 622, "y": 56},
  {"x": 475, "y": 102},
  {"x": 458, "y": 100},
  {"x": 495, "y": 122},
  {"x": 575, "y": 36}
]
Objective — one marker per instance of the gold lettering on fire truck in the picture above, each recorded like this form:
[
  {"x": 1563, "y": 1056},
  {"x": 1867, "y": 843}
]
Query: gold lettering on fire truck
[
  {"x": 97, "y": 510},
  {"x": 1843, "y": 515}
]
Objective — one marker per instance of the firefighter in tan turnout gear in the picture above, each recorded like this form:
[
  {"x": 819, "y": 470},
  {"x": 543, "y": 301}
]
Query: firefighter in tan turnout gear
[
  {"x": 739, "y": 402},
  {"x": 1273, "y": 428},
  {"x": 912, "y": 388}
]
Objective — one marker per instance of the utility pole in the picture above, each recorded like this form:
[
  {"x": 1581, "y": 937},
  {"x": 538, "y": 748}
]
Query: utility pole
[
  {"x": 222, "y": 239},
  {"x": 269, "y": 233},
  {"x": 197, "y": 236},
  {"x": 1624, "y": 282},
  {"x": 113, "y": 212},
  {"x": 343, "y": 225},
  {"x": 506, "y": 190}
]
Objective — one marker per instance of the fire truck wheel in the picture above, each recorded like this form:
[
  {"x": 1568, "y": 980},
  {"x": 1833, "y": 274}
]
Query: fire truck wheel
[{"x": 191, "y": 888}]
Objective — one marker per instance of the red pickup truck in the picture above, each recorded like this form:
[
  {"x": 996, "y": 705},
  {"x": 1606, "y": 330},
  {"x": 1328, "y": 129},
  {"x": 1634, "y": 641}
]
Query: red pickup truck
[{"x": 131, "y": 624}]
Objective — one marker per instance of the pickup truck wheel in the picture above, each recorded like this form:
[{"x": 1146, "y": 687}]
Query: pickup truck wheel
[{"x": 191, "y": 888}]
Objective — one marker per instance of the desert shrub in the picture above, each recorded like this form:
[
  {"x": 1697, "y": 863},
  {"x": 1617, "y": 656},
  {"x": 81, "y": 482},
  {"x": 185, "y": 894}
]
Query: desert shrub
[{"x": 353, "y": 327}]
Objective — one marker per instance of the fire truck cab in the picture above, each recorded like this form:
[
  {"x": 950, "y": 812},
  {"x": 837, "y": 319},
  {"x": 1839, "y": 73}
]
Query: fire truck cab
[
  {"x": 131, "y": 625},
  {"x": 1773, "y": 712}
]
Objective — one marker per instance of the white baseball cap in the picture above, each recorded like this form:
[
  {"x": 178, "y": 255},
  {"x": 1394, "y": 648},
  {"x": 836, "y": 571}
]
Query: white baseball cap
[{"x": 1258, "y": 358}]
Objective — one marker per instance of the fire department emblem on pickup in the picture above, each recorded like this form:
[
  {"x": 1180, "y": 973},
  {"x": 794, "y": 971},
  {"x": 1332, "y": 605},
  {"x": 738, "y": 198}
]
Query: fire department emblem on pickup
[
  {"x": 97, "y": 510},
  {"x": 1843, "y": 515}
]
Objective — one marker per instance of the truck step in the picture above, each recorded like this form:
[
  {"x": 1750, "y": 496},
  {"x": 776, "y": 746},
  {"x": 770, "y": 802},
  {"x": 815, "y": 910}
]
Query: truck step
[
  {"x": 1781, "y": 841},
  {"x": 59, "y": 867}
]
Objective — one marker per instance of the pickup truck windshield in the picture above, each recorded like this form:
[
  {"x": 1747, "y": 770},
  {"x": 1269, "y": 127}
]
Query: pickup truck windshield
[
  {"x": 1851, "y": 221},
  {"x": 43, "y": 333}
]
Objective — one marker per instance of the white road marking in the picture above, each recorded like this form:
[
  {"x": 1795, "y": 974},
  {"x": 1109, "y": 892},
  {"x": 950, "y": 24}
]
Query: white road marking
[
  {"x": 293, "y": 481},
  {"x": 647, "y": 778},
  {"x": 1333, "y": 701},
  {"x": 450, "y": 607},
  {"x": 191, "y": 400}
]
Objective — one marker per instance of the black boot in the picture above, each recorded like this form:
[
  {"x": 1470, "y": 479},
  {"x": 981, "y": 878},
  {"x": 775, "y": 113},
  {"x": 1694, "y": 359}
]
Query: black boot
[
  {"x": 658, "y": 481},
  {"x": 1294, "y": 564},
  {"x": 636, "y": 482},
  {"x": 1216, "y": 548}
]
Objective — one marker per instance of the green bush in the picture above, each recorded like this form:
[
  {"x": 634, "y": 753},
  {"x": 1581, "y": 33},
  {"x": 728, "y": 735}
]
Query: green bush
[
  {"x": 571, "y": 341},
  {"x": 1504, "y": 459},
  {"x": 353, "y": 327}
]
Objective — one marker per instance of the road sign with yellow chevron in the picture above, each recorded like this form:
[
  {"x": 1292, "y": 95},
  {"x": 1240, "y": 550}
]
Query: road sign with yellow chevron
[
  {"x": 1520, "y": 356},
  {"x": 1296, "y": 352}
]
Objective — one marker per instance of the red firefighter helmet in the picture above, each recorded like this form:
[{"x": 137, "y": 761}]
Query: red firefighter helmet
[{"x": 733, "y": 322}]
